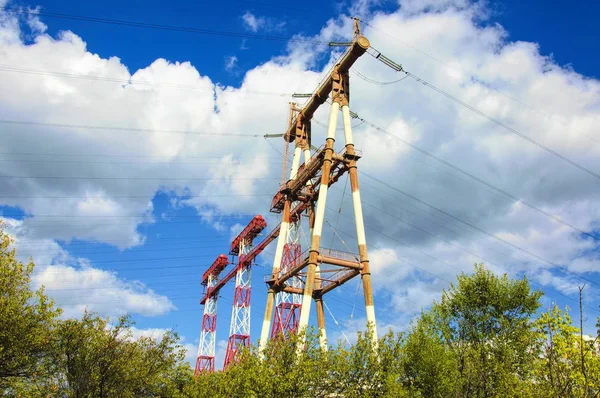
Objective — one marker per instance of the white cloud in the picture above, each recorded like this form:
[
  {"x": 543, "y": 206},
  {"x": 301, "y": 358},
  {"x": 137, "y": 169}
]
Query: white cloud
[
  {"x": 252, "y": 22},
  {"x": 473, "y": 59},
  {"x": 255, "y": 23},
  {"x": 76, "y": 285},
  {"x": 231, "y": 63},
  {"x": 76, "y": 289}
]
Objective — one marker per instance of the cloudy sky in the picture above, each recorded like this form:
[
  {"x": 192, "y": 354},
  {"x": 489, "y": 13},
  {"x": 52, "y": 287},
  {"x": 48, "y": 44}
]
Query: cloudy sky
[{"x": 131, "y": 155}]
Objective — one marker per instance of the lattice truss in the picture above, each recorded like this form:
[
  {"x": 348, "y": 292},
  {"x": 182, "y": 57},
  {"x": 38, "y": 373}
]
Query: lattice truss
[
  {"x": 288, "y": 305},
  {"x": 206, "y": 348}
]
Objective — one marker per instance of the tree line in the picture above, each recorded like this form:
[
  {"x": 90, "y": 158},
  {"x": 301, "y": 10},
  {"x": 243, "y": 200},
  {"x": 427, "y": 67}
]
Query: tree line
[{"x": 486, "y": 337}]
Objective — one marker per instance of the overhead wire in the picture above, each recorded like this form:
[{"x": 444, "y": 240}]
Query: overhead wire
[
  {"x": 505, "y": 126},
  {"x": 472, "y": 76},
  {"x": 111, "y": 197},
  {"x": 168, "y": 164},
  {"x": 141, "y": 178},
  {"x": 481, "y": 181},
  {"x": 387, "y": 253},
  {"x": 121, "y": 129},
  {"x": 376, "y": 54},
  {"x": 373, "y": 81},
  {"x": 216, "y": 89},
  {"x": 562, "y": 267},
  {"x": 462, "y": 221},
  {"x": 145, "y": 25}
]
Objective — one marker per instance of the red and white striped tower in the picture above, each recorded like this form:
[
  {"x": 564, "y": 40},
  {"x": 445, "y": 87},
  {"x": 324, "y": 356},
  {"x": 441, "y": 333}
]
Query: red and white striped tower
[
  {"x": 205, "y": 361},
  {"x": 239, "y": 329},
  {"x": 288, "y": 305}
]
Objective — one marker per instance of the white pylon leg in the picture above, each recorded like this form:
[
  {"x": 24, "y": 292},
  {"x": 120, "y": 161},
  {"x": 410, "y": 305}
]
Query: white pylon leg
[
  {"x": 360, "y": 227},
  {"x": 281, "y": 241},
  {"x": 318, "y": 228}
]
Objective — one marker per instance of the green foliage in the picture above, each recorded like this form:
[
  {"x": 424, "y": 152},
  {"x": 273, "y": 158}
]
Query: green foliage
[
  {"x": 482, "y": 339},
  {"x": 562, "y": 373},
  {"x": 478, "y": 341},
  {"x": 27, "y": 319}
]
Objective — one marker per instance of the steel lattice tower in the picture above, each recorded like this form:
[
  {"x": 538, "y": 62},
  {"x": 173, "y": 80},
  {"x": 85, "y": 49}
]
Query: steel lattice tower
[
  {"x": 288, "y": 305},
  {"x": 239, "y": 329},
  {"x": 322, "y": 269},
  {"x": 205, "y": 361}
]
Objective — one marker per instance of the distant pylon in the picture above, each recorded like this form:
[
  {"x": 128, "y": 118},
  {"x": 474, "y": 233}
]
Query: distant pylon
[
  {"x": 288, "y": 305},
  {"x": 239, "y": 329},
  {"x": 205, "y": 361}
]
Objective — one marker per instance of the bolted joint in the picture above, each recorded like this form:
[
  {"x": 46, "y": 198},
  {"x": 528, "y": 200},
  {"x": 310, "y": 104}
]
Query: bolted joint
[{"x": 340, "y": 89}]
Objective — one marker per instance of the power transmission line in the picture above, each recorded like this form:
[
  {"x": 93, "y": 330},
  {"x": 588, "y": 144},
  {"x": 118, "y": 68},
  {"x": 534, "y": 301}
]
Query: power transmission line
[
  {"x": 121, "y": 129},
  {"x": 473, "y": 76},
  {"x": 480, "y": 180},
  {"x": 240, "y": 91},
  {"x": 141, "y": 178},
  {"x": 564, "y": 268},
  {"x": 145, "y": 25},
  {"x": 110, "y": 197},
  {"x": 246, "y": 162},
  {"x": 378, "y": 232},
  {"x": 124, "y": 156},
  {"x": 504, "y": 126}
]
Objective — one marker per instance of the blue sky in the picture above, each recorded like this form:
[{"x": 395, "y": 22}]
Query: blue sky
[{"x": 181, "y": 240}]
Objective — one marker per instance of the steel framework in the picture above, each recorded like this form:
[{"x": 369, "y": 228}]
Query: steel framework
[
  {"x": 322, "y": 269},
  {"x": 288, "y": 305},
  {"x": 239, "y": 329},
  {"x": 297, "y": 277},
  {"x": 205, "y": 361}
]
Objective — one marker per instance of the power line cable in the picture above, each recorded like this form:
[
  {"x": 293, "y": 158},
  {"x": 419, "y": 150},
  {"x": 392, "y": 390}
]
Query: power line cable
[
  {"x": 504, "y": 126},
  {"x": 437, "y": 259},
  {"x": 121, "y": 129},
  {"x": 130, "y": 197},
  {"x": 107, "y": 155},
  {"x": 380, "y": 83},
  {"x": 377, "y": 55},
  {"x": 564, "y": 268},
  {"x": 145, "y": 25},
  {"x": 481, "y": 181},
  {"x": 241, "y": 91},
  {"x": 141, "y": 178},
  {"x": 474, "y": 77},
  {"x": 473, "y": 226},
  {"x": 168, "y": 164}
]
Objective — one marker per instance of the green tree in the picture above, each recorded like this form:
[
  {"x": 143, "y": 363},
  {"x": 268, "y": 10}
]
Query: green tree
[
  {"x": 559, "y": 370},
  {"x": 27, "y": 320},
  {"x": 482, "y": 332},
  {"x": 91, "y": 358}
]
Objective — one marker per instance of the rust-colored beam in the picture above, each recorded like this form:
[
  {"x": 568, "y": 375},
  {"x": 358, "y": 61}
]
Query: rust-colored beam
[
  {"x": 321, "y": 260},
  {"x": 339, "y": 282},
  {"x": 358, "y": 48}
]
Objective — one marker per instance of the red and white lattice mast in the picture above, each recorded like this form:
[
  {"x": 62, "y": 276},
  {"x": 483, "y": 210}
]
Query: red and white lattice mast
[
  {"x": 288, "y": 305},
  {"x": 239, "y": 330},
  {"x": 205, "y": 361}
]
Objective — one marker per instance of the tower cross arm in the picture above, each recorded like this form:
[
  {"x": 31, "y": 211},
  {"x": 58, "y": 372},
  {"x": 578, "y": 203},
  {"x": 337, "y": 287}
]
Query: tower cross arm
[{"x": 358, "y": 48}]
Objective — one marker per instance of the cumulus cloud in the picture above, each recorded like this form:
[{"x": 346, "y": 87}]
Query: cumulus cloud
[
  {"x": 76, "y": 289},
  {"x": 442, "y": 42},
  {"x": 76, "y": 285}
]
